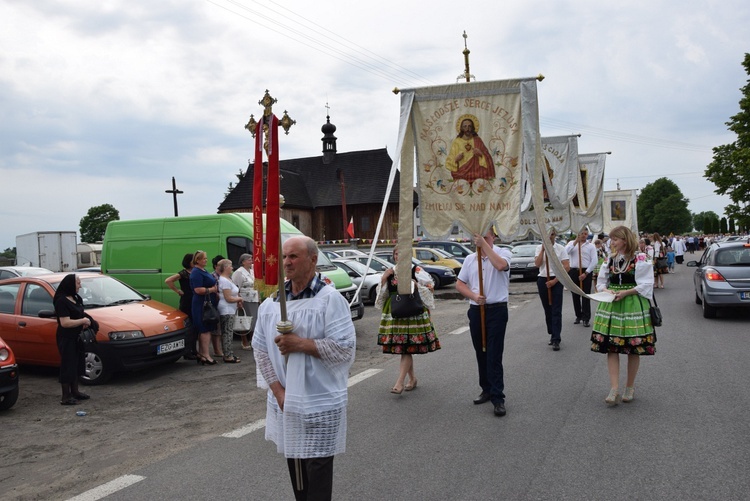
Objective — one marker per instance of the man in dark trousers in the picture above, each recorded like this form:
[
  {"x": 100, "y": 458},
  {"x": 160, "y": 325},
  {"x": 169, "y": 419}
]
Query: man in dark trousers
[{"x": 583, "y": 258}]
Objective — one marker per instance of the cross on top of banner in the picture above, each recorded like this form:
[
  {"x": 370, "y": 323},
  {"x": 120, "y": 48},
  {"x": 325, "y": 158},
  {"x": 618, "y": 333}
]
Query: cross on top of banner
[{"x": 267, "y": 102}]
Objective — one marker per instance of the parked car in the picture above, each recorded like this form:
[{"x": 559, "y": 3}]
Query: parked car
[
  {"x": 359, "y": 273},
  {"x": 456, "y": 250},
  {"x": 22, "y": 271},
  {"x": 331, "y": 254},
  {"x": 8, "y": 377},
  {"x": 134, "y": 331},
  {"x": 722, "y": 277},
  {"x": 436, "y": 256},
  {"x": 526, "y": 242},
  {"x": 92, "y": 269},
  {"x": 522, "y": 261},
  {"x": 442, "y": 276},
  {"x": 349, "y": 252}
]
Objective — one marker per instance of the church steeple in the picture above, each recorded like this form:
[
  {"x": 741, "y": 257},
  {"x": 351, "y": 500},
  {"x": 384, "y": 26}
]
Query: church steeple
[{"x": 329, "y": 140}]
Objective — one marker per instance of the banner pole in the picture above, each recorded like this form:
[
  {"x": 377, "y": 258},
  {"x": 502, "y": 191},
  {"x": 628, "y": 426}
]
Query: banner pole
[{"x": 481, "y": 293}]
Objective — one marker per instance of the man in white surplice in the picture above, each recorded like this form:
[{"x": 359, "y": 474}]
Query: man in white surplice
[{"x": 307, "y": 393}]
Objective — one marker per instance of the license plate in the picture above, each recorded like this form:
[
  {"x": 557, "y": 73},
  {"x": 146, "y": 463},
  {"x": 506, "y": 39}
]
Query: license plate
[
  {"x": 354, "y": 313},
  {"x": 744, "y": 295},
  {"x": 173, "y": 346}
]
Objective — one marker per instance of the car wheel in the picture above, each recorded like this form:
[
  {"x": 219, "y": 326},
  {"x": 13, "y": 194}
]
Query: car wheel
[
  {"x": 697, "y": 299},
  {"x": 8, "y": 399},
  {"x": 435, "y": 280},
  {"x": 373, "y": 294},
  {"x": 708, "y": 310},
  {"x": 95, "y": 370}
]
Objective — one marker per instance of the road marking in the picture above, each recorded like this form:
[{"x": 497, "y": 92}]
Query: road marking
[
  {"x": 108, "y": 488},
  {"x": 248, "y": 428},
  {"x": 458, "y": 331},
  {"x": 362, "y": 376}
]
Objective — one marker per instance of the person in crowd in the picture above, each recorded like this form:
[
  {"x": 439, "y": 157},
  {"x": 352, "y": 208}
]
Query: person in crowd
[
  {"x": 670, "y": 260},
  {"x": 551, "y": 289},
  {"x": 679, "y": 249},
  {"x": 605, "y": 243},
  {"x": 691, "y": 244},
  {"x": 71, "y": 320},
  {"x": 203, "y": 284},
  {"x": 660, "y": 250},
  {"x": 601, "y": 255},
  {"x": 306, "y": 370},
  {"x": 229, "y": 299},
  {"x": 406, "y": 336},
  {"x": 186, "y": 302},
  {"x": 216, "y": 333},
  {"x": 644, "y": 247},
  {"x": 244, "y": 278},
  {"x": 623, "y": 326},
  {"x": 583, "y": 259},
  {"x": 495, "y": 262}
]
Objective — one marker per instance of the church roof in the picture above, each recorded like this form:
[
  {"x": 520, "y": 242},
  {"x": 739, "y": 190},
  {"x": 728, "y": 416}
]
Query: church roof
[{"x": 309, "y": 183}]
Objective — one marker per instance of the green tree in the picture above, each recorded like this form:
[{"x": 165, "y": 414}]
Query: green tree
[
  {"x": 702, "y": 221},
  {"x": 240, "y": 176},
  {"x": 94, "y": 223},
  {"x": 9, "y": 253},
  {"x": 730, "y": 169},
  {"x": 663, "y": 208},
  {"x": 723, "y": 226},
  {"x": 731, "y": 226}
]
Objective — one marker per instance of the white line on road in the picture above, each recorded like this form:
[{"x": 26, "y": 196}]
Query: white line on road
[
  {"x": 460, "y": 330},
  {"x": 248, "y": 428},
  {"x": 362, "y": 376},
  {"x": 108, "y": 488}
]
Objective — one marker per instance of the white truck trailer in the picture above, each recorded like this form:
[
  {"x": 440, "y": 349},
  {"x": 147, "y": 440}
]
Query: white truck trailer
[{"x": 54, "y": 250}]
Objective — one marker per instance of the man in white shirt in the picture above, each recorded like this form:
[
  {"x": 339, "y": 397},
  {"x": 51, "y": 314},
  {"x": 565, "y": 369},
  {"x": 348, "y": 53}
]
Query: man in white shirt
[
  {"x": 496, "y": 277},
  {"x": 551, "y": 289},
  {"x": 582, "y": 255},
  {"x": 307, "y": 391}
]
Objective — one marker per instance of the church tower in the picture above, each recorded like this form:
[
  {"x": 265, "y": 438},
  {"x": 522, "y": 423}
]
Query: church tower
[{"x": 329, "y": 141}]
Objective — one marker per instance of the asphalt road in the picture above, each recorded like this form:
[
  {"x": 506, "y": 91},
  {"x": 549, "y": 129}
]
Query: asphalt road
[{"x": 684, "y": 437}]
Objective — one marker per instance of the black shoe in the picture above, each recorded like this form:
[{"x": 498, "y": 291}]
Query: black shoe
[
  {"x": 586, "y": 323},
  {"x": 482, "y": 398},
  {"x": 500, "y": 409},
  {"x": 550, "y": 343},
  {"x": 555, "y": 346},
  {"x": 578, "y": 321},
  {"x": 80, "y": 396}
]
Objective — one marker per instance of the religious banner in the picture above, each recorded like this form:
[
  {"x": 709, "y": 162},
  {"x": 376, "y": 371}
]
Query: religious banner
[
  {"x": 586, "y": 206},
  {"x": 471, "y": 141},
  {"x": 619, "y": 209},
  {"x": 559, "y": 182}
]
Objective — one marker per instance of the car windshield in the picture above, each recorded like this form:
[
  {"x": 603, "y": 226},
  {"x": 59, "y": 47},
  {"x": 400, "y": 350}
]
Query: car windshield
[
  {"x": 524, "y": 250},
  {"x": 360, "y": 268},
  {"x": 102, "y": 290},
  {"x": 324, "y": 263},
  {"x": 738, "y": 256},
  {"x": 377, "y": 264}
]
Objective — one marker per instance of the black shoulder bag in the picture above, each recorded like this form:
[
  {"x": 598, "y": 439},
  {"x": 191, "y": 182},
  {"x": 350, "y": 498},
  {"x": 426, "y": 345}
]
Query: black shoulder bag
[{"x": 655, "y": 313}]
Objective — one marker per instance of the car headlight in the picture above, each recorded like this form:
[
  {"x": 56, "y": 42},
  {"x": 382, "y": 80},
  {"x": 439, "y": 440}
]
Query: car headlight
[
  {"x": 448, "y": 273},
  {"x": 120, "y": 335},
  {"x": 4, "y": 354}
]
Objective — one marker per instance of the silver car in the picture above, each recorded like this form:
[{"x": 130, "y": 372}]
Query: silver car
[
  {"x": 359, "y": 273},
  {"x": 722, "y": 277},
  {"x": 522, "y": 262}
]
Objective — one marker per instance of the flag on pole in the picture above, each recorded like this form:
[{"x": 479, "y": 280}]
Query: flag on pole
[{"x": 350, "y": 228}]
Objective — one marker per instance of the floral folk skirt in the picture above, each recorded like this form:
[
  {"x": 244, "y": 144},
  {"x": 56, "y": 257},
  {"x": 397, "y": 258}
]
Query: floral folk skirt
[
  {"x": 406, "y": 336},
  {"x": 624, "y": 326}
]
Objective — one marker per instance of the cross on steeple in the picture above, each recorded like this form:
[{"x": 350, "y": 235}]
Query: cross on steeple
[{"x": 174, "y": 191}]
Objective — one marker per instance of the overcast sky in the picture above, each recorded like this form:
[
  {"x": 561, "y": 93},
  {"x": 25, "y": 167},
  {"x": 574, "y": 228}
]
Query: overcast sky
[{"x": 103, "y": 102}]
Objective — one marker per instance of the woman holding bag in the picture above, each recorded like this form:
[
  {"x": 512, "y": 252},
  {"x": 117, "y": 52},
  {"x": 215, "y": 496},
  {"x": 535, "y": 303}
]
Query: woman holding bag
[
  {"x": 406, "y": 336},
  {"x": 203, "y": 285},
  {"x": 228, "y": 300},
  {"x": 244, "y": 278}
]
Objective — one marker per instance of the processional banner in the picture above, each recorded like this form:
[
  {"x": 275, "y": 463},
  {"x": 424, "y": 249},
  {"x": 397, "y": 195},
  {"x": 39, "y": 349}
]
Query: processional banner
[
  {"x": 559, "y": 182},
  {"x": 470, "y": 141},
  {"x": 586, "y": 206},
  {"x": 619, "y": 209}
]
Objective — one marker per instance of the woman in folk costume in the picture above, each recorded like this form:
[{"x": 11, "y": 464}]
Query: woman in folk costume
[
  {"x": 624, "y": 325},
  {"x": 406, "y": 336}
]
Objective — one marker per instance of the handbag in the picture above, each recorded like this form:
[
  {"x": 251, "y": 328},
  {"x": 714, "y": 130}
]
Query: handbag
[
  {"x": 242, "y": 321},
  {"x": 661, "y": 259},
  {"x": 87, "y": 336},
  {"x": 655, "y": 313},
  {"x": 407, "y": 305},
  {"x": 210, "y": 313}
]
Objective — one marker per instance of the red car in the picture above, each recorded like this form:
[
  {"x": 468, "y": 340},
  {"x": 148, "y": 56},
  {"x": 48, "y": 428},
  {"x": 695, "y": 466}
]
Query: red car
[
  {"x": 134, "y": 331},
  {"x": 8, "y": 377}
]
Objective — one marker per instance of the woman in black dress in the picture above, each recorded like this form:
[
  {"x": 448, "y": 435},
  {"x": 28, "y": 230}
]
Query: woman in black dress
[{"x": 71, "y": 320}]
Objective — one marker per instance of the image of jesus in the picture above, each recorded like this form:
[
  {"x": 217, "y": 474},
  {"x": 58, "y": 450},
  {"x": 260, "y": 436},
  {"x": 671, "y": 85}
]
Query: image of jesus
[{"x": 468, "y": 157}]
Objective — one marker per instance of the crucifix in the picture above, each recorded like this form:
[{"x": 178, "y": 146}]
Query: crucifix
[{"x": 174, "y": 191}]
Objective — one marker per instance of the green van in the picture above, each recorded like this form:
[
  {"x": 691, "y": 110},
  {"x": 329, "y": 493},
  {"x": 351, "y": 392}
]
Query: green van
[{"x": 144, "y": 252}]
